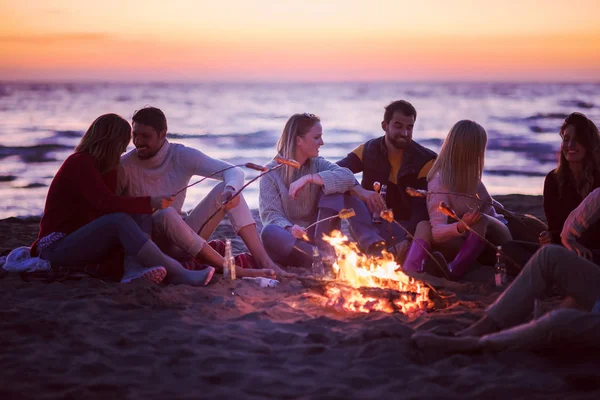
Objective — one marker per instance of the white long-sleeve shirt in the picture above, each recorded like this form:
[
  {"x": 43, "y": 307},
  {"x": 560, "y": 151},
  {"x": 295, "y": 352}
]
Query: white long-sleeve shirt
[
  {"x": 441, "y": 230},
  {"x": 170, "y": 170},
  {"x": 580, "y": 219}
]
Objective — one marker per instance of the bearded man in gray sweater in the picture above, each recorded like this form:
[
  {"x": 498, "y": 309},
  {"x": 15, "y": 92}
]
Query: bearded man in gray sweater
[{"x": 158, "y": 166}]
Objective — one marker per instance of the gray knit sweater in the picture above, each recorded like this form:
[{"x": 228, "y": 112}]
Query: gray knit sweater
[{"x": 276, "y": 206}]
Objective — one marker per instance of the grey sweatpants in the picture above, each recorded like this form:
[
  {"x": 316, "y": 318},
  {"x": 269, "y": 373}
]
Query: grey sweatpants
[{"x": 577, "y": 277}]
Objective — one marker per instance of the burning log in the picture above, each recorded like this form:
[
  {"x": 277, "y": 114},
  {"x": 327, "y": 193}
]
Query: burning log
[{"x": 367, "y": 284}]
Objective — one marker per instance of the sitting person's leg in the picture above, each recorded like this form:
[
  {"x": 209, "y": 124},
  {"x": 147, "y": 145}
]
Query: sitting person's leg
[
  {"x": 284, "y": 248},
  {"x": 496, "y": 232},
  {"x": 563, "y": 326},
  {"x": 469, "y": 249},
  {"x": 90, "y": 243},
  {"x": 417, "y": 254},
  {"x": 361, "y": 226},
  {"x": 179, "y": 237},
  {"x": 558, "y": 327},
  {"x": 577, "y": 277}
]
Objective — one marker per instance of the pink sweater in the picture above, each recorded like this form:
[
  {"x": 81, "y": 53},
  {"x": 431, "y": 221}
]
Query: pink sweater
[{"x": 440, "y": 228}]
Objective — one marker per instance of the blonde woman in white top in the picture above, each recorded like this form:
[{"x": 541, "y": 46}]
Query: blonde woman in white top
[{"x": 457, "y": 170}]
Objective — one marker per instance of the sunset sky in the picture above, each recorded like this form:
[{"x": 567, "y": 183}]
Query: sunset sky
[{"x": 308, "y": 40}]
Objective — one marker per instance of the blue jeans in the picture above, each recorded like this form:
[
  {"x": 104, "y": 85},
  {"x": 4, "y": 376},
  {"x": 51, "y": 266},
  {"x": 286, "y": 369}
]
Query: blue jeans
[
  {"x": 93, "y": 242},
  {"x": 284, "y": 249}
]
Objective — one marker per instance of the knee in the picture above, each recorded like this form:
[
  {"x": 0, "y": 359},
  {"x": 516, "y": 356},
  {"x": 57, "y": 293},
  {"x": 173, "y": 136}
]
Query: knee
[
  {"x": 119, "y": 218},
  {"x": 334, "y": 201},
  {"x": 544, "y": 257},
  {"x": 162, "y": 217},
  {"x": 269, "y": 234},
  {"x": 423, "y": 231}
]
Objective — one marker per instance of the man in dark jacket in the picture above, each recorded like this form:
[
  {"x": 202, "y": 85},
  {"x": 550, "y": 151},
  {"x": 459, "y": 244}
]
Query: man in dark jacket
[{"x": 397, "y": 161}]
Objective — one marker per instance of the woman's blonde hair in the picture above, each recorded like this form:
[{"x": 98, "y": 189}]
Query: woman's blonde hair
[
  {"x": 298, "y": 125},
  {"x": 106, "y": 139},
  {"x": 461, "y": 159}
]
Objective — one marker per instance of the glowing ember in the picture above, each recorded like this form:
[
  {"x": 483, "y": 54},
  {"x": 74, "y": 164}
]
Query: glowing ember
[{"x": 367, "y": 284}]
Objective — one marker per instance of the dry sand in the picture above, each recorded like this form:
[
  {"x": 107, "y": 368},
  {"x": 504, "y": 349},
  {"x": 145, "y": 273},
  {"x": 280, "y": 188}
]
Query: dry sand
[{"x": 92, "y": 339}]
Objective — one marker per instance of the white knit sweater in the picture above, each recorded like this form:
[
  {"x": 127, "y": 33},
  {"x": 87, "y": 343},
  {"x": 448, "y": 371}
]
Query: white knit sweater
[
  {"x": 169, "y": 171},
  {"x": 276, "y": 206}
]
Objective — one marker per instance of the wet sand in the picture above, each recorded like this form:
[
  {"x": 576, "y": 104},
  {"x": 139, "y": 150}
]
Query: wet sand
[{"x": 88, "y": 338}]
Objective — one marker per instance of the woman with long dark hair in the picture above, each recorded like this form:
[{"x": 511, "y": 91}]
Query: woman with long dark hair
[{"x": 577, "y": 174}]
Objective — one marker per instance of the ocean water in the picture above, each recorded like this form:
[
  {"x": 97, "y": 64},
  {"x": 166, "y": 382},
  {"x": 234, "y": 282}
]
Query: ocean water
[{"x": 41, "y": 124}]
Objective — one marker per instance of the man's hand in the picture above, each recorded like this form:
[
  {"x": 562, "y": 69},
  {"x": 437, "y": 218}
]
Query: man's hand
[
  {"x": 471, "y": 218},
  {"x": 298, "y": 232},
  {"x": 371, "y": 198},
  {"x": 545, "y": 238},
  {"x": 297, "y": 185},
  {"x": 161, "y": 202},
  {"x": 578, "y": 248},
  {"x": 227, "y": 194}
]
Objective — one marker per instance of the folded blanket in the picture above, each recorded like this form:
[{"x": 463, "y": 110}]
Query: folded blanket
[{"x": 20, "y": 260}]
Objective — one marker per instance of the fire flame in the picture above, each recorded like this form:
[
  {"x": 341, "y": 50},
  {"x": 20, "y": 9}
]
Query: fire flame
[{"x": 365, "y": 284}]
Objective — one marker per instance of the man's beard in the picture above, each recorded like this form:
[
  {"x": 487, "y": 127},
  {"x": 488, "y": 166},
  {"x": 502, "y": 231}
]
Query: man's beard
[{"x": 400, "y": 144}]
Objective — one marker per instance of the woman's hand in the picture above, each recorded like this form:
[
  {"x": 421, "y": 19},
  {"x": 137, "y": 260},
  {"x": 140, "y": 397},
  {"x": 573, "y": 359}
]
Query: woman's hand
[
  {"x": 161, "y": 202},
  {"x": 545, "y": 238},
  {"x": 298, "y": 184},
  {"x": 227, "y": 194},
  {"x": 298, "y": 232},
  {"x": 470, "y": 218},
  {"x": 578, "y": 248}
]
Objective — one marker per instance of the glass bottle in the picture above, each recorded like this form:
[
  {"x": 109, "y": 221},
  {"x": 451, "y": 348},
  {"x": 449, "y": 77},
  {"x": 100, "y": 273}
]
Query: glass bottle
[
  {"x": 317, "y": 263},
  {"x": 383, "y": 193},
  {"x": 500, "y": 277},
  {"x": 229, "y": 263}
]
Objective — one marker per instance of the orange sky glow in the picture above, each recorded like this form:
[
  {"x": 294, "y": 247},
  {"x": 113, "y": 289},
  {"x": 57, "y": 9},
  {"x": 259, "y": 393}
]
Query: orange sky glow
[{"x": 309, "y": 40}]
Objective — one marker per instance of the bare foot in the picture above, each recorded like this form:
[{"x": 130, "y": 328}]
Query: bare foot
[
  {"x": 447, "y": 344},
  {"x": 482, "y": 327},
  {"x": 265, "y": 273}
]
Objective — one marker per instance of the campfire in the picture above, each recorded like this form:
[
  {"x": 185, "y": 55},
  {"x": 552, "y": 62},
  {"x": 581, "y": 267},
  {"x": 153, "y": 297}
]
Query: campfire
[{"x": 365, "y": 284}]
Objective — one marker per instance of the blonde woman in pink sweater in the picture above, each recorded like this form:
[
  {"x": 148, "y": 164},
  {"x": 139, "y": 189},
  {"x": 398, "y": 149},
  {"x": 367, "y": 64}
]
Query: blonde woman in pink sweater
[{"x": 457, "y": 170}]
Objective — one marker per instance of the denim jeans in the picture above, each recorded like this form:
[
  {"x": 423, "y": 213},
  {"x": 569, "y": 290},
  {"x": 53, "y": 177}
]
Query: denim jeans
[
  {"x": 284, "y": 249},
  {"x": 92, "y": 242}
]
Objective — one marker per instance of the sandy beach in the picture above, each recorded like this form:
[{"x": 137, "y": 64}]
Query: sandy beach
[{"x": 87, "y": 338}]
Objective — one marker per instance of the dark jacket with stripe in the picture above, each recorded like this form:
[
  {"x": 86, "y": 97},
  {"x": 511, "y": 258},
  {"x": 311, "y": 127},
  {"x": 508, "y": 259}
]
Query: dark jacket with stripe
[{"x": 376, "y": 167}]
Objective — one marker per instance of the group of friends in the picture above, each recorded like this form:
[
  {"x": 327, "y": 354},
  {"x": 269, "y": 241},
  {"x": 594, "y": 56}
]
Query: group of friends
[{"x": 107, "y": 208}]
